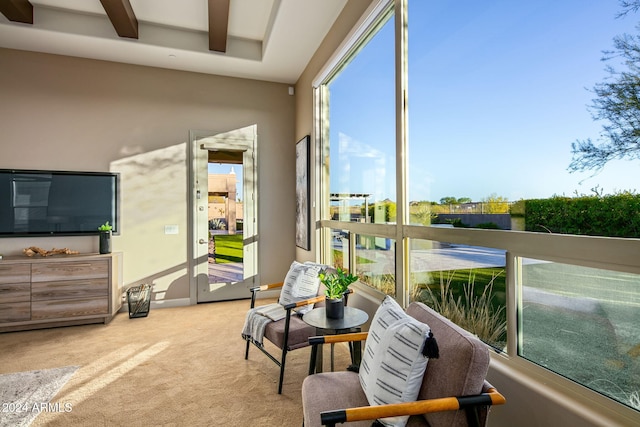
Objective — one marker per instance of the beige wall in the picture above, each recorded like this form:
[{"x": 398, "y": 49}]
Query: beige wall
[{"x": 77, "y": 114}]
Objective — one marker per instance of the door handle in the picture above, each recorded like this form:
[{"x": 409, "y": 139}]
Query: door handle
[{"x": 202, "y": 241}]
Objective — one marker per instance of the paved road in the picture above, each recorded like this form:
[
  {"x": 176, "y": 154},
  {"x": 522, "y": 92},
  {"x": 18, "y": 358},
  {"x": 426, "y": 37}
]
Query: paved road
[{"x": 454, "y": 257}]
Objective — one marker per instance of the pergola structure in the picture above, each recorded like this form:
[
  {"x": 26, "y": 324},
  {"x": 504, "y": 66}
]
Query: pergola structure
[{"x": 344, "y": 197}]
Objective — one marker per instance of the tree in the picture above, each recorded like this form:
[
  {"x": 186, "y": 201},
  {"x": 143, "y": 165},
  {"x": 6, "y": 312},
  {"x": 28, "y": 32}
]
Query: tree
[
  {"x": 452, "y": 200},
  {"x": 617, "y": 104},
  {"x": 448, "y": 200},
  {"x": 494, "y": 204}
]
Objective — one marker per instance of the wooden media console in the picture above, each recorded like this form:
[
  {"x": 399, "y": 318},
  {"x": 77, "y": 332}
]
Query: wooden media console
[{"x": 61, "y": 290}]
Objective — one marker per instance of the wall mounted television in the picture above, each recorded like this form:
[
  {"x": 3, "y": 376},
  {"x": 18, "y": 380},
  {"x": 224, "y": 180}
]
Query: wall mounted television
[{"x": 57, "y": 203}]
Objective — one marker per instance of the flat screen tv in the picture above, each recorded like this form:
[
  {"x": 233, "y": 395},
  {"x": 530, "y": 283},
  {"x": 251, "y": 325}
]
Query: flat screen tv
[{"x": 48, "y": 203}]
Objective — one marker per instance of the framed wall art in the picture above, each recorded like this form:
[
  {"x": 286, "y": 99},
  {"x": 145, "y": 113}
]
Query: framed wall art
[{"x": 303, "y": 190}]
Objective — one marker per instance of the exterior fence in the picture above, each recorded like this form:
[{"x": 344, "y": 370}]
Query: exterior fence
[{"x": 472, "y": 208}]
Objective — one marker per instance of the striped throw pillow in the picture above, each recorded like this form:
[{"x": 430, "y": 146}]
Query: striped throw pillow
[
  {"x": 393, "y": 365},
  {"x": 300, "y": 283}
]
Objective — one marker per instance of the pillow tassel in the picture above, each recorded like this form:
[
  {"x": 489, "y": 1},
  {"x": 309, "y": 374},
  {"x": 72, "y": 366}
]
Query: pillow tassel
[{"x": 430, "y": 348}]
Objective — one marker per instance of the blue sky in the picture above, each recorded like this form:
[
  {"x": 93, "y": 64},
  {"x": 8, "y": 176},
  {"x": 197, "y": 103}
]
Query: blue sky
[{"x": 498, "y": 91}]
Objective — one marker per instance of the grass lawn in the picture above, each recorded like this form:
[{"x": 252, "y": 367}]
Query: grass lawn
[{"x": 228, "y": 248}]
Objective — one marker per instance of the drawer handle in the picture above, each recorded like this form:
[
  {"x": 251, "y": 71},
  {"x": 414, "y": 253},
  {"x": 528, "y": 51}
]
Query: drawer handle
[{"x": 72, "y": 266}]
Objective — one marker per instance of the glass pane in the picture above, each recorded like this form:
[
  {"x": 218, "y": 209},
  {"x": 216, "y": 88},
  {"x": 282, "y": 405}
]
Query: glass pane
[
  {"x": 463, "y": 283},
  {"x": 498, "y": 93},
  {"x": 582, "y": 323},
  {"x": 225, "y": 219},
  {"x": 362, "y": 133},
  {"x": 375, "y": 263},
  {"x": 339, "y": 253}
]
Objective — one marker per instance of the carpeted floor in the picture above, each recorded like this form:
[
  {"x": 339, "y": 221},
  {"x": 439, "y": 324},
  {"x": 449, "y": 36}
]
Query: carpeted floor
[{"x": 176, "y": 367}]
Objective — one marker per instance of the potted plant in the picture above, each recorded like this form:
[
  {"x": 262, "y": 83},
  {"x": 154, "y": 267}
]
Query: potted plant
[
  {"x": 336, "y": 284},
  {"x": 105, "y": 238}
]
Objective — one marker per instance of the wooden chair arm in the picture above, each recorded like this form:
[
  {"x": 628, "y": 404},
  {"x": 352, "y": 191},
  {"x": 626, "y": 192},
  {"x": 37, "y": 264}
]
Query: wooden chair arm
[
  {"x": 491, "y": 397},
  {"x": 267, "y": 287},
  {"x": 331, "y": 339},
  {"x": 305, "y": 302}
]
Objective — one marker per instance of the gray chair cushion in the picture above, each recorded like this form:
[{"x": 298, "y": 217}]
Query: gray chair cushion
[
  {"x": 299, "y": 333},
  {"x": 337, "y": 390},
  {"x": 329, "y": 391},
  {"x": 460, "y": 370}
]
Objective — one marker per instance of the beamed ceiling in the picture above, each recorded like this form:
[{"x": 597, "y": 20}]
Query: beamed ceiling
[{"x": 269, "y": 40}]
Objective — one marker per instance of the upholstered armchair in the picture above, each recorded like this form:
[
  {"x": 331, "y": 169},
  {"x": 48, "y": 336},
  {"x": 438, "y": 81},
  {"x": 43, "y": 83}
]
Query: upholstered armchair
[
  {"x": 281, "y": 323},
  {"x": 451, "y": 390}
]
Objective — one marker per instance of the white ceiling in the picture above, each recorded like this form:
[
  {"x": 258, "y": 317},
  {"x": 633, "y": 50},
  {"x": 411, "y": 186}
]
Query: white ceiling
[{"x": 269, "y": 40}]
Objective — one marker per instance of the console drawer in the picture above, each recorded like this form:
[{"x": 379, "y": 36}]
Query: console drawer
[
  {"x": 15, "y": 311},
  {"x": 15, "y": 292},
  {"x": 14, "y": 273},
  {"x": 57, "y": 271},
  {"x": 70, "y": 289},
  {"x": 68, "y": 308}
]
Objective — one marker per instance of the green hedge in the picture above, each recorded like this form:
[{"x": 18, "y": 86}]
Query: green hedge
[{"x": 614, "y": 215}]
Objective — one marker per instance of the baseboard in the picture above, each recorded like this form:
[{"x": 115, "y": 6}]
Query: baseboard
[{"x": 179, "y": 302}]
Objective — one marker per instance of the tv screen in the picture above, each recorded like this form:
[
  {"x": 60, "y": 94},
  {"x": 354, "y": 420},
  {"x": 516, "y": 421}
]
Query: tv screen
[{"x": 57, "y": 202}]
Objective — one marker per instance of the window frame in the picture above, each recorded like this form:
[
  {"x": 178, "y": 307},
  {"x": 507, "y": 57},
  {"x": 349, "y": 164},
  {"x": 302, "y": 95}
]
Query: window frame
[{"x": 609, "y": 253}]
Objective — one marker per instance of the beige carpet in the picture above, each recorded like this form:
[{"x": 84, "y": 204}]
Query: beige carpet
[{"x": 176, "y": 367}]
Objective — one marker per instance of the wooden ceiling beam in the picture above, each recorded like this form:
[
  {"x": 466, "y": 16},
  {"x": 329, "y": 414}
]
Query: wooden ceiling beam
[
  {"x": 218, "y": 24},
  {"x": 122, "y": 17},
  {"x": 17, "y": 10}
]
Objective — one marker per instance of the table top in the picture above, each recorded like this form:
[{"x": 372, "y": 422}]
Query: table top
[{"x": 353, "y": 318}]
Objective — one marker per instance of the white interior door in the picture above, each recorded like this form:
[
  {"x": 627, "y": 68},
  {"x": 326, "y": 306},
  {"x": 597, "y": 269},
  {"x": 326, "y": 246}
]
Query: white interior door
[{"x": 212, "y": 281}]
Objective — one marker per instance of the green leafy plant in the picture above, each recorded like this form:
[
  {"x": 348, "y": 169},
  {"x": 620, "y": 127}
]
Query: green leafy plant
[
  {"x": 336, "y": 284},
  {"x": 105, "y": 227}
]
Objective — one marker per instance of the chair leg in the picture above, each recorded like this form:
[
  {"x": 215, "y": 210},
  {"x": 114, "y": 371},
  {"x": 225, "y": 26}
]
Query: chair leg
[
  {"x": 246, "y": 352},
  {"x": 313, "y": 359},
  {"x": 473, "y": 417},
  {"x": 284, "y": 358}
]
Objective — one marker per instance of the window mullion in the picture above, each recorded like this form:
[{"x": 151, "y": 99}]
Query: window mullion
[{"x": 401, "y": 78}]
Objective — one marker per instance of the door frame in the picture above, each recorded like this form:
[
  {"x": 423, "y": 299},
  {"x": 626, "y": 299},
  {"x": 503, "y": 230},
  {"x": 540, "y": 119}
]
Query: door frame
[{"x": 200, "y": 143}]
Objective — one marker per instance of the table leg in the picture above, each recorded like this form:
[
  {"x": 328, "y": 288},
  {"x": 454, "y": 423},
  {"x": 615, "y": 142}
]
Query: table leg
[
  {"x": 332, "y": 345},
  {"x": 318, "y": 356},
  {"x": 357, "y": 352},
  {"x": 355, "y": 348}
]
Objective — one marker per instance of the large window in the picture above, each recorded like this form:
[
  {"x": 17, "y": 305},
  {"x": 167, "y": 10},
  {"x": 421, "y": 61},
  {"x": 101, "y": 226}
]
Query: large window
[
  {"x": 362, "y": 131},
  {"x": 464, "y": 283},
  {"x": 498, "y": 92},
  {"x": 583, "y": 324},
  {"x": 430, "y": 147}
]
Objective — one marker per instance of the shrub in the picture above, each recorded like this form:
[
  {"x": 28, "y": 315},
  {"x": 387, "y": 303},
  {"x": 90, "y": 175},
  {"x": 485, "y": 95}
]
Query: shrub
[
  {"x": 611, "y": 215},
  {"x": 217, "y": 224},
  {"x": 488, "y": 226},
  {"x": 457, "y": 222}
]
